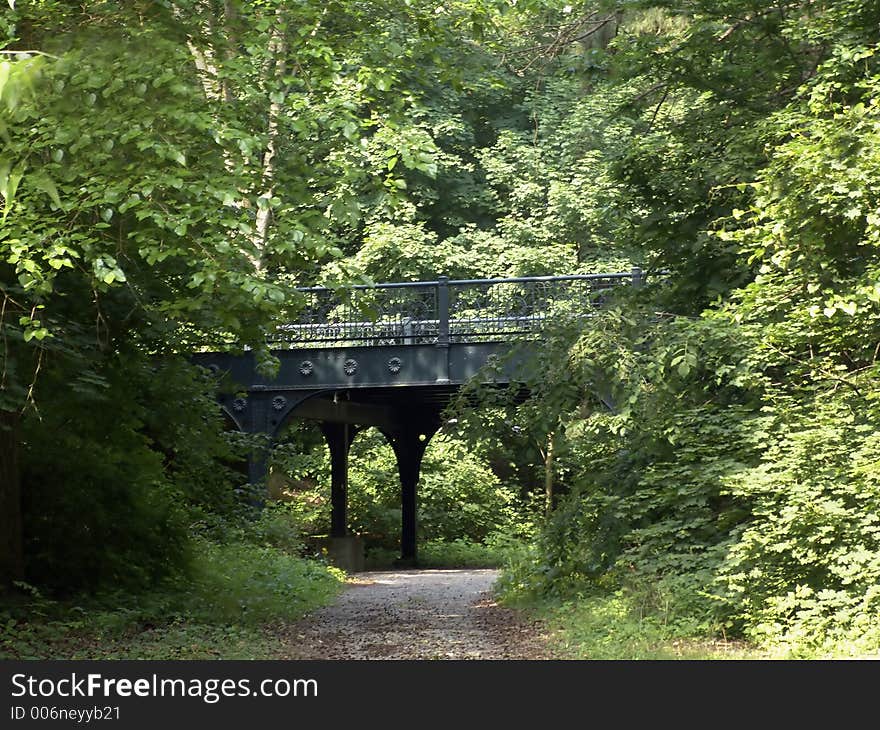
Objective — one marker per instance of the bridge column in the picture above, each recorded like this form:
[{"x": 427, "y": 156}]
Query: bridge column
[
  {"x": 339, "y": 437},
  {"x": 255, "y": 410},
  {"x": 258, "y": 468},
  {"x": 409, "y": 446}
]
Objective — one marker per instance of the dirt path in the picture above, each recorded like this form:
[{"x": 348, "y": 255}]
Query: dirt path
[{"x": 416, "y": 614}]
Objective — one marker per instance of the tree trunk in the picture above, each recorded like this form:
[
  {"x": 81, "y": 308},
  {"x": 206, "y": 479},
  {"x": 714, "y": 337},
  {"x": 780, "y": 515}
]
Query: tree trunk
[
  {"x": 278, "y": 50},
  {"x": 548, "y": 475},
  {"x": 11, "y": 551}
]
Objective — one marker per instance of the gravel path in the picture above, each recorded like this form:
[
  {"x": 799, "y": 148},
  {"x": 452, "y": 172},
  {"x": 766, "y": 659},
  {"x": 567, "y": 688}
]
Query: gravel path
[{"x": 416, "y": 614}]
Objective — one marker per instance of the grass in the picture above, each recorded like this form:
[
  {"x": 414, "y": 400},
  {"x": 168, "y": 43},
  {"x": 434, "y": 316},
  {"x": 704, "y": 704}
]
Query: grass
[
  {"x": 460, "y": 553},
  {"x": 615, "y": 625},
  {"x": 225, "y": 611},
  {"x": 610, "y": 626}
]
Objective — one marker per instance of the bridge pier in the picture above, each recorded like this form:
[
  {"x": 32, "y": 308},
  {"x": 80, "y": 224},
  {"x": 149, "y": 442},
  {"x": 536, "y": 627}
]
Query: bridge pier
[
  {"x": 409, "y": 444},
  {"x": 250, "y": 416},
  {"x": 339, "y": 437},
  {"x": 258, "y": 468}
]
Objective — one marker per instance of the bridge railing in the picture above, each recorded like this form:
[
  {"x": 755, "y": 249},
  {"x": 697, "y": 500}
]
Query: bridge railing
[{"x": 445, "y": 311}]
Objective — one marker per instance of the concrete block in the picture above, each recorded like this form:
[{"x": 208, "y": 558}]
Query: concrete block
[{"x": 346, "y": 553}]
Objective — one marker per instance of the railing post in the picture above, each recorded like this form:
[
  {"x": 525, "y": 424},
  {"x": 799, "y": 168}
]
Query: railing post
[
  {"x": 443, "y": 329},
  {"x": 443, "y": 311},
  {"x": 638, "y": 277}
]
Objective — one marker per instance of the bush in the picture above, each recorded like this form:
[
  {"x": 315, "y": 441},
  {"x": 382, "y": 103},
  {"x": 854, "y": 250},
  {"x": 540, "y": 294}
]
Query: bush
[
  {"x": 220, "y": 610},
  {"x": 805, "y": 570},
  {"x": 98, "y": 507},
  {"x": 277, "y": 527},
  {"x": 242, "y": 583},
  {"x": 459, "y": 496},
  {"x": 495, "y": 551},
  {"x": 115, "y": 473}
]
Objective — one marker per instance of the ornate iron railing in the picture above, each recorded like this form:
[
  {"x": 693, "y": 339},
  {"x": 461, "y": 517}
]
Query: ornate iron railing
[{"x": 445, "y": 311}]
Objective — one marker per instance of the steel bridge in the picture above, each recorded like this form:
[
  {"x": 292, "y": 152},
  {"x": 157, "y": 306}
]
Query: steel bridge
[{"x": 392, "y": 356}]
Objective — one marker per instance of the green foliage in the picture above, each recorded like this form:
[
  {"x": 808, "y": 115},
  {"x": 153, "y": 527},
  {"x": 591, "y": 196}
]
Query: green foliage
[
  {"x": 495, "y": 550},
  {"x": 616, "y": 625},
  {"x": 723, "y": 464},
  {"x": 115, "y": 472},
  {"x": 171, "y": 170},
  {"x": 278, "y": 527},
  {"x": 804, "y": 569},
  {"x": 460, "y": 498},
  {"x": 246, "y": 584},
  {"x": 223, "y": 610},
  {"x": 115, "y": 521},
  {"x": 651, "y": 503}
]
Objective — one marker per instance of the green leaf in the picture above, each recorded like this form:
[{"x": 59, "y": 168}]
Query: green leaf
[
  {"x": 35, "y": 333},
  {"x": 9, "y": 180},
  {"x": 113, "y": 276},
  {"x": 42, "y": 181},
  {"x": 5, "y": 71},
  {"x": 349, "y": 129}
]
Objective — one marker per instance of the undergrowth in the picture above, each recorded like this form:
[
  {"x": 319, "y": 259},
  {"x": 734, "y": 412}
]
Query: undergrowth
[
  {"x": 493, "y": 552},
  {"x": 236, "y": 590},
  {"x": 613, "y": 625}
]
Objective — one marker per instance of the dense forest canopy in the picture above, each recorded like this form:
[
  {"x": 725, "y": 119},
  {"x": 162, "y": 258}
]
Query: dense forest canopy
[{"x": 172, "y": 170}]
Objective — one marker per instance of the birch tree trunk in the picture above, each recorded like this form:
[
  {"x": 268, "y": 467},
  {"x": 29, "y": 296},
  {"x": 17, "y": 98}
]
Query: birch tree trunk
[{"x": 278, "y": 54}]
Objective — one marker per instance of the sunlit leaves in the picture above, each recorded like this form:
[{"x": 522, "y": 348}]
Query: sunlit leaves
[{"x": 735, "y": 470}]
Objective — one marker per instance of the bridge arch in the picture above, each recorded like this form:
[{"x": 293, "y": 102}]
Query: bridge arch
[{"x": 229, "y": 419}]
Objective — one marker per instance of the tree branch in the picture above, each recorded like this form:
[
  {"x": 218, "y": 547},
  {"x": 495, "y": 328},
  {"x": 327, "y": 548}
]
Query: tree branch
[{"x": 760, "y": 14}]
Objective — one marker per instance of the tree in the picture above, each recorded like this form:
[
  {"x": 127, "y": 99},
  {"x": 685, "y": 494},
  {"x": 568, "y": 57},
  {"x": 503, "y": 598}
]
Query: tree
[{"x": 172, "y": 170}]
